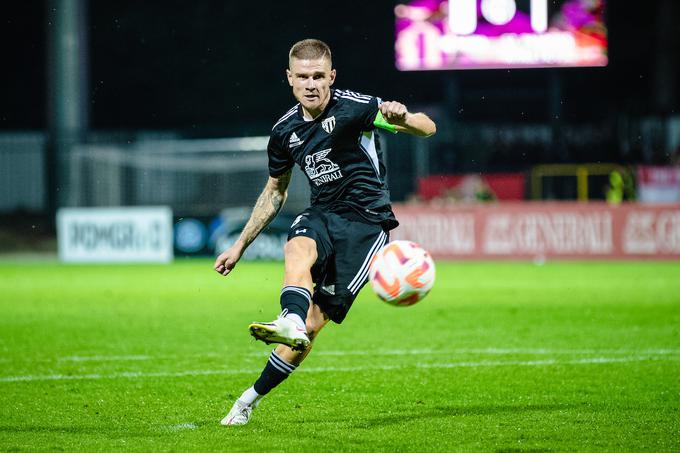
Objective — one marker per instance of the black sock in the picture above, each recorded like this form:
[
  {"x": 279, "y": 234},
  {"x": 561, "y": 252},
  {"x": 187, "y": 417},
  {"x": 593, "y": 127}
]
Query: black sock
[
  {"x": 296, "y": 299},
  {"x": 275, "y": 372}
]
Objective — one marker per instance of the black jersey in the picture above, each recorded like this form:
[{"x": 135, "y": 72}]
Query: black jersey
[{"x": 339, "y": 153}]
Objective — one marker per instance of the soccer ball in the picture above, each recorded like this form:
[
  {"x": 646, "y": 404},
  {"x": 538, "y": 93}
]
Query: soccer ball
[{"x": 401, "y": 273}]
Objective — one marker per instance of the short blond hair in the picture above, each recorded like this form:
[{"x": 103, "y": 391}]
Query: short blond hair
[{"x": 310, "y": 49}]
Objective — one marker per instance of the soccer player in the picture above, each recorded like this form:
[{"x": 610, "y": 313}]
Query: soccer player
[{"x": 330, "y": 134}]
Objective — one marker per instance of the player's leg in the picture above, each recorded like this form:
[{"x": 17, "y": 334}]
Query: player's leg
[
  {"x": 316, "y": 320},
  {"x": 306, "y": 251},
  {"x": 282, "y": 362},
  {"x": 296, "y": 297}
]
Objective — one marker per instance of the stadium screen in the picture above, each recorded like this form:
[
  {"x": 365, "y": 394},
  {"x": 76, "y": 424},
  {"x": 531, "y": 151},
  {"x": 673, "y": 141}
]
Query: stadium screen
[{"x": 493, "y": 34}]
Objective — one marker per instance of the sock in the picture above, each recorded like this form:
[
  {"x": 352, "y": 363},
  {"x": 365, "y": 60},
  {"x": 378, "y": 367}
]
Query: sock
[
  {"x": 250, "y": 397},
  {"x": 296, "y": 300},
  {"x": 275, "y": 372}
]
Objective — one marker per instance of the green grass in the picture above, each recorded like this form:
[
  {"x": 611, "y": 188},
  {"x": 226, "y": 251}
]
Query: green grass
[{"x": 499, "y": 357}]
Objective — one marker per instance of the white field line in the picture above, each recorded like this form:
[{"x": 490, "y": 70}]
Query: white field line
[
  {"x": 442, "y": 365},
  {"x": 496, "y": 351},
  {"x": 133, "y": 358},
  {"x": 107, "y": 358},
  {"x": 182, "y": 426},
  {"x": 353, "y": 352},
  {"x": 379, "y": 352}
]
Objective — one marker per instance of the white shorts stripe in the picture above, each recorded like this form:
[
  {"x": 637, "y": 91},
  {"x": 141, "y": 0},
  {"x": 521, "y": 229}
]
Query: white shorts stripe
[
  {"x": 364, "y": 275},
  {"x": 358, "y": 280}
]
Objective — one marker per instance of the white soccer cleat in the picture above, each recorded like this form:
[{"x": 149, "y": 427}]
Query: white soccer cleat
[
  {"x": 282, "y": 330},
  {"x": 238, "y": 415}
]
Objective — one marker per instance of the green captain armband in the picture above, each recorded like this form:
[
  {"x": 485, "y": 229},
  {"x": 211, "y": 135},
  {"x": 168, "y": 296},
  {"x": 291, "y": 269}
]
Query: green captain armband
[{"x": 382, "y": 123}]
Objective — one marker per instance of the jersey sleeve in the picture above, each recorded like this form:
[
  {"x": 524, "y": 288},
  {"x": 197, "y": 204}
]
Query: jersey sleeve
[
  {"x": 280, "y": 160},
  {"x": 369, "y": 113}
]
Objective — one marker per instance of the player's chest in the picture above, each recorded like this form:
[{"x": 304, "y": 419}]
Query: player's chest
[{"x": 334, "y": 132}]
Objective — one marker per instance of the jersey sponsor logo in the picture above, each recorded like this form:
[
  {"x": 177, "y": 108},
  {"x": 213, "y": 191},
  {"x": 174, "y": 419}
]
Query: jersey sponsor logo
[
  {"x": 294, "y": 141},
  {"x": 328, "y": 124},
  {"x": 320, "y": 169}
]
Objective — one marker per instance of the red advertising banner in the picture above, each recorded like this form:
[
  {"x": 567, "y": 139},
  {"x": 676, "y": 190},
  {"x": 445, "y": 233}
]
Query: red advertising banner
[
  {"x": 543, "y": 230},
  {"x": 658, "y": 184}
]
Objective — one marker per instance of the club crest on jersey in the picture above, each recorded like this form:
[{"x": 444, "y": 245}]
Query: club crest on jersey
[
  {"x": 320, "y": 168},
  {"x": 294, "y": 141},
  {"x": 328, "y": 124}
]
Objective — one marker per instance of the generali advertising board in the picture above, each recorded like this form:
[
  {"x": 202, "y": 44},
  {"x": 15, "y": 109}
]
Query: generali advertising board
[{"x": 543, "y": 230}]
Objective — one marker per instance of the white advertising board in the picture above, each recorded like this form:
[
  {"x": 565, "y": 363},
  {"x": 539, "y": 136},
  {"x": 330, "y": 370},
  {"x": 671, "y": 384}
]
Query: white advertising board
[{"x": 115, "y": 235}]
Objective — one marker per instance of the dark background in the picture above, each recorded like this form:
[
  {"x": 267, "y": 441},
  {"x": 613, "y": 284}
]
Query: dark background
[{"x": 217, "y": 68}]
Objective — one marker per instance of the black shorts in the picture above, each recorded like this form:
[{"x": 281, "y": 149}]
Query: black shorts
[{"x": 345, "y": 246}]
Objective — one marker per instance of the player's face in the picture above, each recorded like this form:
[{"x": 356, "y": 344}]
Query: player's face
[{"x": 311, "y": 81}]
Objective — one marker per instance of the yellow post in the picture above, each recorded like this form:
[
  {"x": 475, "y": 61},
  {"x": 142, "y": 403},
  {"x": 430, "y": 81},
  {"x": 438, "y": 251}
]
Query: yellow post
[
  {"x": 536, "y": 184},
  {"x": 582, "y": 183}
]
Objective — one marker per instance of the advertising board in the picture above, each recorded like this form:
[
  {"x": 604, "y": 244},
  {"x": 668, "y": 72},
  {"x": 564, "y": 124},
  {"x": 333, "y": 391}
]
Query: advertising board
[
  {"x": 543, "y": 230},
  {"x": 115, "y": 235}
]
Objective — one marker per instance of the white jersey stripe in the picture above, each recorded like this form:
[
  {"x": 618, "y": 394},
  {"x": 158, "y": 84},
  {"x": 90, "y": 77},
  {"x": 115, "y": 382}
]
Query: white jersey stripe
[
  {"x": 357, "y": 95},
  {"x": 288, "y": 114},
  {"x": 363, "y": 271},
  {"x": 355, "y": 99},
  {"x": 291, "y": 110},
  {"x": 354, "y": 94},
  {"x": 284, "y": 118},
  {"x": 351, "y": 95}
]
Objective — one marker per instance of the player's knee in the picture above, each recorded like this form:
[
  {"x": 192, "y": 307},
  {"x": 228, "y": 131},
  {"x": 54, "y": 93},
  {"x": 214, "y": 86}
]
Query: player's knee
[{"x": 300, "y": 250}]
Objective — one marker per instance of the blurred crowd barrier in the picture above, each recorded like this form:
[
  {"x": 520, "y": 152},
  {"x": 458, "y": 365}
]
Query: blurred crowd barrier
[{"x": 543, "y": 230}]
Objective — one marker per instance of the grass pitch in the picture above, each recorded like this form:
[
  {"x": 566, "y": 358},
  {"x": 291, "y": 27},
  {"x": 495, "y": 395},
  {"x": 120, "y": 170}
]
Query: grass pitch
[{"x": 499, "y": 357}]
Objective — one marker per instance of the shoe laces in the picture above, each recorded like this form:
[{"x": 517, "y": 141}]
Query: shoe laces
[{"x": 245, "y": 409}]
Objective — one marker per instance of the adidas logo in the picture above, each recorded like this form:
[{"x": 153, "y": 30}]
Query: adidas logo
[{"x": 294, "y": 141}]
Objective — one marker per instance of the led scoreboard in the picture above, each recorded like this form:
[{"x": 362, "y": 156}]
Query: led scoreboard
[{"x": 492, "y": 34}]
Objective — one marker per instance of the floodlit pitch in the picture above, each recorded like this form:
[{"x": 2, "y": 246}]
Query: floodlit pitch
[{"x": 499, "y": 356}]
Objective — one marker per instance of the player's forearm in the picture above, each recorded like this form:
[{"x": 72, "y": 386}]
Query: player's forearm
[
  {"x": 268, "y": 205},
  {"x": 418, "y": 124}
]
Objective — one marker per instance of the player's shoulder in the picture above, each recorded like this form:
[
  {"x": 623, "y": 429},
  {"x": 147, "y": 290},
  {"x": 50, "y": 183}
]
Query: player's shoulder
[
  {"x": 349, "y": 96},
  {"x": 285, "y": 120}
]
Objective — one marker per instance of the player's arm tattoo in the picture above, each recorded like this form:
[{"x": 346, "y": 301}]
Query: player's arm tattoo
[{"x": 268, "y": 205}]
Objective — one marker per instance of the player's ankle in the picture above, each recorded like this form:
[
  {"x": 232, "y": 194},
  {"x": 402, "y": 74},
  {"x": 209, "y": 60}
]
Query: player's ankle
[{"x": 297, "y": 320}]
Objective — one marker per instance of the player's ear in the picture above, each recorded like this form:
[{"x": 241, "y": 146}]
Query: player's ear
[
  {"x": 289, "y": 75},
  {"x": 332, "y": 77}
]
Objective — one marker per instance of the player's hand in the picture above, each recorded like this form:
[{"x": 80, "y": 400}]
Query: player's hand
[
  {"x": 227, "y": 260},
  {"x": 394, "y": 112}
]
